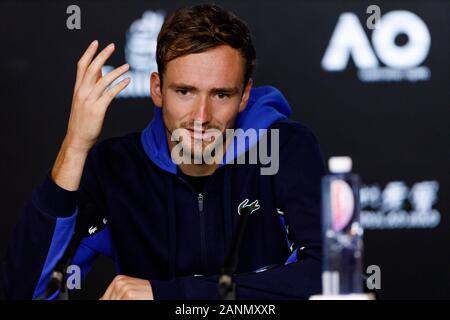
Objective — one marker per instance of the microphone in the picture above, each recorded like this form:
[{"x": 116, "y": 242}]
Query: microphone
[
  {"x": 226, "y": 285},
  {"x": 85, "y": 219}
]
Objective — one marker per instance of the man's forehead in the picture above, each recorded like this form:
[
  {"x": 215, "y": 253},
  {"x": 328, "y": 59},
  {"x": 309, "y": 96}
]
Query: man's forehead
[{"x": 218, "y": 67}]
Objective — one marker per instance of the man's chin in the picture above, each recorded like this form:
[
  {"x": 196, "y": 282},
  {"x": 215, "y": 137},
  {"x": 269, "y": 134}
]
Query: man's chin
[{"x": 201, "y": 149}]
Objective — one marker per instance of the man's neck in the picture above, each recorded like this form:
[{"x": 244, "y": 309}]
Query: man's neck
[{"x": 198, "y": 170}]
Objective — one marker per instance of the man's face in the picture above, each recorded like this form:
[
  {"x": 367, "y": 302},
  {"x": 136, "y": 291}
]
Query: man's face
[{"x": 201, "y": 91}]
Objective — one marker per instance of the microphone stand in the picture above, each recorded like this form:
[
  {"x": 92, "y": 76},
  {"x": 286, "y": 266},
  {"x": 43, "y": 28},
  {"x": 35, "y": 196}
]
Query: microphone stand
[
  {"x": 226, "y": 284},
  {"x": 58, "y": 279}
]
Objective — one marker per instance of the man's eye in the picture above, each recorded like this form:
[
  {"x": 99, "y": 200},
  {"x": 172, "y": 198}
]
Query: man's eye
[
  {"x": 223, "y": 95},
  {"x": 183, "y": 92}
]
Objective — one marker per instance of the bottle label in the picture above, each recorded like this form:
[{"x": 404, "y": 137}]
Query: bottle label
[{"x": 342, "y": 204}]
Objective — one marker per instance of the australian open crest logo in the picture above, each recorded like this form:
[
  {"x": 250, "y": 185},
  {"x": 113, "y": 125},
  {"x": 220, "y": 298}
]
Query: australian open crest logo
[{"x": 140, "y": 54}]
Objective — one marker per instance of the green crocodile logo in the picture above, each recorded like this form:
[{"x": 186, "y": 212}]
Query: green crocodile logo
[{"x": 244, "y": 204}]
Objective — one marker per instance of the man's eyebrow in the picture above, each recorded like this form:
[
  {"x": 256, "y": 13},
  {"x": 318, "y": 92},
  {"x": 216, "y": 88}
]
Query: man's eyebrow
[
  {"x": 181, "y": 86},
  {"x": 229, "y": 90}
]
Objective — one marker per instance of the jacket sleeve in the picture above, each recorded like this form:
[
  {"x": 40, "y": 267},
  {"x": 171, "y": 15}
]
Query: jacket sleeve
[
  {"x": 42, "y": 234},
  {"x": 297, "y": 188}
]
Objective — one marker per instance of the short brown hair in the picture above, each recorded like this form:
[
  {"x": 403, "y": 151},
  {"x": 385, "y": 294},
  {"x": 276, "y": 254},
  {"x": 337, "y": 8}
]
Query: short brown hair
[{"x": 200, "y": 28}]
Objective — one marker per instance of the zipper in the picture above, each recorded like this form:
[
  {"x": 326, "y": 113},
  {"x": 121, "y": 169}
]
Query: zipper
[
  {"x": 200, "y": 202},
  {"x": 200, "y": 199}
]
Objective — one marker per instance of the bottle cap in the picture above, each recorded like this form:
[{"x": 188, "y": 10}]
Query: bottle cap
[{"x": 340, "y": 164}]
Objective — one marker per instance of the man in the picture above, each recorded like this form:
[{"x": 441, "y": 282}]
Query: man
[{"x": 168, "y": 224}]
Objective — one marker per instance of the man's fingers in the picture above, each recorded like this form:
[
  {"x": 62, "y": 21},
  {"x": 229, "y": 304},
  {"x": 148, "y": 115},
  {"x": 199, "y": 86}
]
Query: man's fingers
[
  {"x": 104, "y": 82},
  {"x": 99, "y": 75},
  {"x": 90, "y": 76},
  {"x": 114, "y": 286},
  {"x": 84, "y": 62},
  {"x": 107, "y": 294},
  {"x": 128, "y": 288},
  {"x": 126, "y": 295},
  {"x": 111, "y": 93},
  {"x": 109, "y": 290}
]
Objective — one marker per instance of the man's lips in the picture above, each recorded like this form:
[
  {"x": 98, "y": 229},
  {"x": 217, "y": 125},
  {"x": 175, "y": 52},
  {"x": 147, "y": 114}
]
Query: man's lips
[
  {"x": 201, "y": 134},
  {"x": 190, "y": 129}
]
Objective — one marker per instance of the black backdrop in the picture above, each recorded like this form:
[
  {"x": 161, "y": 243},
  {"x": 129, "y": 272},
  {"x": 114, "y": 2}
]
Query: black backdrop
[{"x": 397, "y": 131}]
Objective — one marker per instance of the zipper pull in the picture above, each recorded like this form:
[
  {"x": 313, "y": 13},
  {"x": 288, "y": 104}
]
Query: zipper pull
[{"x": 200, "y": 202}]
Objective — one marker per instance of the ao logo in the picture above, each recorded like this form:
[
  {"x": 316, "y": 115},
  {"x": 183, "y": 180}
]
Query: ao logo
[
  {"x": 140, "y": 54},
  {"x": 140, "y": 50},
  {"x": 349, "y": 39}
]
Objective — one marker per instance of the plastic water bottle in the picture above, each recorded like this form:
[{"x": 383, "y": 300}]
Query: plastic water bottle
[{"x": 342, "y": 232}]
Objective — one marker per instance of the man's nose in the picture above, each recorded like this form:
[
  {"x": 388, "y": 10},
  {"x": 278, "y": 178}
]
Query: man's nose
[{"x": 202, "y": 112}]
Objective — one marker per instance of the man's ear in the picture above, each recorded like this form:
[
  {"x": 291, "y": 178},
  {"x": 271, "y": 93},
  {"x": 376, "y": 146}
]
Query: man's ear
[
  {"x": 155, "y": 89},
  {"x": 245, "y": 95}
]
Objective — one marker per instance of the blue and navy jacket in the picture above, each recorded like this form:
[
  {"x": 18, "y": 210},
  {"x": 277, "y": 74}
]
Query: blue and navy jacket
[{"x": 154, "y": 225}]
